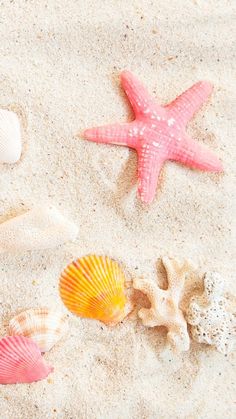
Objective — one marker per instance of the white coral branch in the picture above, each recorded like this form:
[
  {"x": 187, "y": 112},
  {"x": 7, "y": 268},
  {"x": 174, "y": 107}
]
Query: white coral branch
[{"x": 165, "y": 309}]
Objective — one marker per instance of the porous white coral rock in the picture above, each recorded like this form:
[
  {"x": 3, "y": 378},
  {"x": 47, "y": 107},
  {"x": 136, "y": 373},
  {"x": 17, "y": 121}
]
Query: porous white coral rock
[
  {"x": 211, "y": 322},
  {"x": 165, "y": 310},
  {"x": 39, "y": 228}
]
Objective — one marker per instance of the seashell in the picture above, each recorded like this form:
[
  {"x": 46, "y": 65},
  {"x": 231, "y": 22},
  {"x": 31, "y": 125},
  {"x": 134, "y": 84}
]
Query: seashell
[
  {"x": 39, "y": 228},
  {"x": 46, "y": 327},
  {"x": 10, "y": 137},
  {"x": 93, "y": 287},
  {"x": 21, "y": 361}
]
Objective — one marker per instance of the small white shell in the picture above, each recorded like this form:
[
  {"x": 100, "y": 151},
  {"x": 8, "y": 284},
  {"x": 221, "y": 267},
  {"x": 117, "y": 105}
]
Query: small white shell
[
  {"x": 39, "y": 228},
  {"x": 10, "y": 137},
  {"x": 46, "y": 327}
]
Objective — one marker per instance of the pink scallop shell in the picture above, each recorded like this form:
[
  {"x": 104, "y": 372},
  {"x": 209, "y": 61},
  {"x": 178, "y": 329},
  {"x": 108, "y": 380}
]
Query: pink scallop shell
[{"x": 21, "y": 361}]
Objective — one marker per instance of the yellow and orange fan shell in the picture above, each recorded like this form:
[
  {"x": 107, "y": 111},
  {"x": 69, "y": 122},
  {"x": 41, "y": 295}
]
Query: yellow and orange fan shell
[{"x": 93, "y": 287}]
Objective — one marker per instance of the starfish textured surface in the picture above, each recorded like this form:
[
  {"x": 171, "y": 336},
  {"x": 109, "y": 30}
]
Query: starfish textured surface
[
  {"x": 165, "y": 309},
  {"x": 211, "y": 322},
  {"x": 158, "y": 133}
]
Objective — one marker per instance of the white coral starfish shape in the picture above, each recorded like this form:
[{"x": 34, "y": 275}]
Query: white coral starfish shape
[{"x": 165, "y": 310}]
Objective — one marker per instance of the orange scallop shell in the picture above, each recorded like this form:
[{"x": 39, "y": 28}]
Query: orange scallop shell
[{"x": 93, "y": 287}]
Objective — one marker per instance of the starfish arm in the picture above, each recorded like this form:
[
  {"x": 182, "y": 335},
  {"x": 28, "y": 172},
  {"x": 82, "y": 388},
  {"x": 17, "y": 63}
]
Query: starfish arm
[
  {"x": 142, "y": 102},
  {"x": 120, "y": 134},
  {"x": 184, "y": 107},
  {"x": 194, "y": 155},
  {"x": 150, "y": 162}
]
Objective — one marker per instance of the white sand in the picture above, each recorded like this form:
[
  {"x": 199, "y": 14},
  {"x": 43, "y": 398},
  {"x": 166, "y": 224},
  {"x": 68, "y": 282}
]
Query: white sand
[{"x": 59, "y": 65}]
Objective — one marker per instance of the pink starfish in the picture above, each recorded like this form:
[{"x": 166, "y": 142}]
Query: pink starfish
[{"x": 158, "y": 133}]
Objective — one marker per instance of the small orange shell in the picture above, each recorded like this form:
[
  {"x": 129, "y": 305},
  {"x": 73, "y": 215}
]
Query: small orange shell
[{"x": 93, "y": 287}]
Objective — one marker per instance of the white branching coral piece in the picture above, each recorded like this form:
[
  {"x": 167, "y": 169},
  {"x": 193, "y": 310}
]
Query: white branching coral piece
[
  {"x": 165, "y": 310},
  {"x": 210, "y": 321}
]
